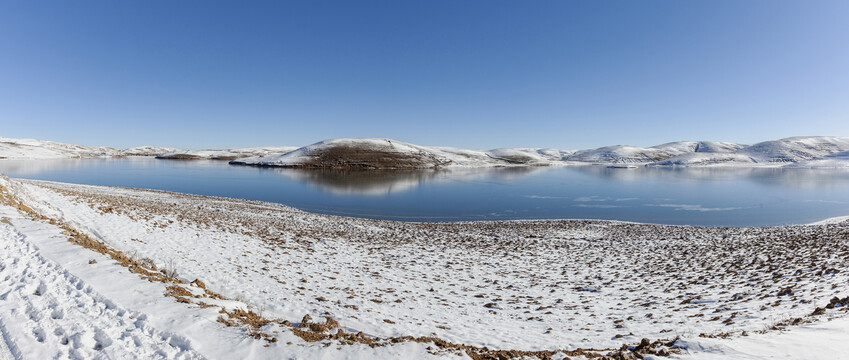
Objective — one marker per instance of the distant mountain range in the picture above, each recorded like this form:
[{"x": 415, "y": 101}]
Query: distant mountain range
[
  {"x": 380, "y": 153},
  {"x": 42, "y": 149},
  {"x": 812, "y": 151}
]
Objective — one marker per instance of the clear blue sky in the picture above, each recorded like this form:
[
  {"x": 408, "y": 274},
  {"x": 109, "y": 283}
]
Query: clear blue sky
[{"x": 481, "y": 74}]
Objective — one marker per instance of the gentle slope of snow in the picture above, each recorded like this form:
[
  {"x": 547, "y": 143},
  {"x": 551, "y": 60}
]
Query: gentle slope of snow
[
  {"x": 819, "y": 341},
  {"x": 838, "y": 160},
  {"x": 681, "y": 147},
  {"x": 706, "y": 159},
  {"x": 41, "y": 149},
  {"x": 619, "y": 154},
  {"x": 225, "y": 154},
  {"x": 148, "y": 151},
  {"x": 795, "y": 149}
]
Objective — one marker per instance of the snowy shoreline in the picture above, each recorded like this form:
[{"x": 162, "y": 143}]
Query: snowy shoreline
[{"x": 525, "y": 285}]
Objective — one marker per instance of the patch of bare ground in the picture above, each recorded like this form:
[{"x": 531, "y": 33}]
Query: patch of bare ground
[{"x": 657, "y": 278}]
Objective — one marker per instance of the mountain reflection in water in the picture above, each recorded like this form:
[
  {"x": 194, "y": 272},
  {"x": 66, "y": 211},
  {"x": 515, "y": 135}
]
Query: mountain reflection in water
[
  {"x": 694, "y": 196},
  {"x": 382, "y": 182}
]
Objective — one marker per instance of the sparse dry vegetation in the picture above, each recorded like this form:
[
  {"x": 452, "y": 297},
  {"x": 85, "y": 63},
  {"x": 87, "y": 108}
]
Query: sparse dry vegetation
[{"x": 627, "y": 277}]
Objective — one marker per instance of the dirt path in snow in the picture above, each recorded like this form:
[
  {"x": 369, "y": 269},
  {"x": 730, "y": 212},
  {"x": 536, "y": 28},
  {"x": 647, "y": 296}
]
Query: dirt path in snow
[{"x": 53, "y": 314}]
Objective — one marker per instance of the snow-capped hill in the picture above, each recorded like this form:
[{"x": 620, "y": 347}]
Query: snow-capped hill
[
  {"x": 619, "y": 154},
  {"x": 380, "y": 153},
  {"x": 555, "y": 154},
  {"x": 683, "y": 147},
  {"x": 520, "y": 156},
  {"x": 718, "y": 147},
  {"x": 706, "y": 159},
  {"x": 226, "y": 154},
  {"x": 466, "y": 157},
  {"x": 364, "y": 153},
  {"x": 496, "y": 157},
  {"x": 148, "y": 151},
  {"x": 42, "y": 149},
  {"x": 802, "y": 151},
  {"x": 795, "y": 149},
  {"x": 834, "y": 161}
]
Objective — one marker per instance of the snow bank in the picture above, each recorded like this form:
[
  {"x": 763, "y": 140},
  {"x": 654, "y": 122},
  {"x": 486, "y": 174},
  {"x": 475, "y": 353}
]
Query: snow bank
[{"x": 819, "y": 341}]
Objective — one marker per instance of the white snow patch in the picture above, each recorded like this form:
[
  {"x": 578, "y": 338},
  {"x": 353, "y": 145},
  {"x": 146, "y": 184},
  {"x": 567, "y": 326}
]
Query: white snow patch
[
  {"x": 227, "y": 154},
  {"x": 823, "y": 340}
]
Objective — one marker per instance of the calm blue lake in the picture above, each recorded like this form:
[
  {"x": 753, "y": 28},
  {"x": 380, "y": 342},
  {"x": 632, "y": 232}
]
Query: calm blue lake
[{"x": 716, "y": 197}]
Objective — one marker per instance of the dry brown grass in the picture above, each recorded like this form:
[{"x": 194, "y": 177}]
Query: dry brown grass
[{"x": 714, "y": 253}]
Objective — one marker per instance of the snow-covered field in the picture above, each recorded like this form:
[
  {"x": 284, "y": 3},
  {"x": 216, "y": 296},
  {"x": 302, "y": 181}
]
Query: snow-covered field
[{"x": 414, "y": 290}]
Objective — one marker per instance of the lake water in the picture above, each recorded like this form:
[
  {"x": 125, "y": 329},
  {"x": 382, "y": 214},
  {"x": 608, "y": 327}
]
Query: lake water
[{"x": 696, "y": 196}]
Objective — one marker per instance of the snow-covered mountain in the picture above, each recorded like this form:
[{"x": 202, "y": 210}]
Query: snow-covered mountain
[
  {"x": 834, "y": 161},
  {"x": 792, "y": 152},
  {"x": 366, "y": 153},
  {"x": 523, "y": 156},
  {"x": 148, "y": 151},
  {"x": 682, "y": 147},
  {"x": 706, "y": 159},
  {"x": 380, "y": 153},
  {"x": 500, "y": 156},
  {"x": 225, "y": 154},
  {"x": 619, "y": 154},
  {"x": 42, "y": 149},
  {"x": 795, "y": 149}
]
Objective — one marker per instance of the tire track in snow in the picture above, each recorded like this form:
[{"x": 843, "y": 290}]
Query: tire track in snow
[
  {"x": 51, "y": 313},
  {"x": 5, "y": 349}
]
